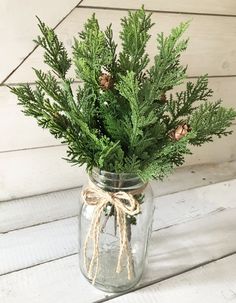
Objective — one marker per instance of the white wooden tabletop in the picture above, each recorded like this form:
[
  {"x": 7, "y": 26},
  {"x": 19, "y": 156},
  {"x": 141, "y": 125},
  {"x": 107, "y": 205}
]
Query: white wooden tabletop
[{"x": 192, "y": 256}]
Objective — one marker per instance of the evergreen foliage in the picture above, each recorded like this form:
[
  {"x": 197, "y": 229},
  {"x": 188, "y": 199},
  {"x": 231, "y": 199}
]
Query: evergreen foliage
[{"x": 130, "y": 125}]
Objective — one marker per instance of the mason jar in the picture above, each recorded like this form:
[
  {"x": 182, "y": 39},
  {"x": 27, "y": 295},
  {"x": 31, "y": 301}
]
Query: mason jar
[{"x": 115, "y": 223}]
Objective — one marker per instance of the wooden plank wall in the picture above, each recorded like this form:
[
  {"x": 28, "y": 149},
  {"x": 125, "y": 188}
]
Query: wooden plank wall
[
  {"x": 30, "y": 159},
  {"x": 18, "y": 27}
]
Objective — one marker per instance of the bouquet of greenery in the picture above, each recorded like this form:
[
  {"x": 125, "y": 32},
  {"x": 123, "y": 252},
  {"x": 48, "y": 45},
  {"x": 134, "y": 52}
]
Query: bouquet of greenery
[{"x": 121, "y": 118}]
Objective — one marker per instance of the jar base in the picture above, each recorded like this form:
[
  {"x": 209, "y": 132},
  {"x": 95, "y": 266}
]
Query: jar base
[
  {"x": 108, "y": 279},
  {"x": 112, "y": 288}
]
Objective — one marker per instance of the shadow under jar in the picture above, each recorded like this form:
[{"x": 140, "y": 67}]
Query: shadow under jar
[{"x": 111, "y": 238}]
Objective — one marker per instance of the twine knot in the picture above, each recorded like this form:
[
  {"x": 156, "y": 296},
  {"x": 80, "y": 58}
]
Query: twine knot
[{"x": 124, "y": 204}]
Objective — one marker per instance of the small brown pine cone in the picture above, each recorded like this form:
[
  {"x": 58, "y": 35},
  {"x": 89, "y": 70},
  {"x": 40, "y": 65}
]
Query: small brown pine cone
[
  {"x": 163, "y": 98},
  {"x": 106, "y": 81},
  {"x": 180, "y": 132}
]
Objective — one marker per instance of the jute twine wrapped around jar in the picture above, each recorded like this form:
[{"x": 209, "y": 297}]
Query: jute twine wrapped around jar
[{"x": 124, "y": 204}]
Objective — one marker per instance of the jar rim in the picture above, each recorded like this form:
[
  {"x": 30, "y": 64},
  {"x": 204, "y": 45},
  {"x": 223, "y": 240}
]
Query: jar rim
[
  {"x": 113, "y": 175},
  {"x": 115, "y": 181}
]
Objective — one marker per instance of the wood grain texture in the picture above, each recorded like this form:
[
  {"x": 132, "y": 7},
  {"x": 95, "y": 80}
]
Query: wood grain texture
[
  {"x": 18, "y": 30},
  {"x": 171, "y": 208},
  {"x": 31, "y": 246},
  {"x": 172, "y": 251},
  {"x": 30, "y": 172},
  {"x": 194, "y": 203},
  {"x": 18, "y": 131},
  {"x": 213, "y": 152},
  {"x": 193, "y": 6},
  {"x": 31, "y": 135},
  {"x": 59, "y": 281},
  {"x": 215, "y": 282},
  {"x": 40, "y": 209},
  {"x": 58, "y": 239},
  {"x": 175, "y": 203},
  {"x": 206, "y": 52}
]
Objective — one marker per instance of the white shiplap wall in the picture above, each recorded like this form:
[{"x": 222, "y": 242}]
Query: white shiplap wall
[
  {"x": 30, "y": 159},
  {"x": 18, "y": 27}
]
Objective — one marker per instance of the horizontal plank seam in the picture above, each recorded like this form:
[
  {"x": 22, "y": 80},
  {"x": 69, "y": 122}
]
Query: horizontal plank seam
[
  {"x": 156, "y": 11},
  {"x": 154, "y": 230},
  {"x": 197, "y": 186},
  {"x": 157, "y": 281},
  {"x": 31, "y": 148},
  {"x": 41, "y": 194},
  {"x": 212, "y": 76},
  {"x": 199, "y": 217},
  {"x": 79, "y": 81},
  {"x": 43, "y": 147},
  {"x": 34, "y": 83},
  {"x": 38, "y": 264},
  {"x": 37, "y": 224},
  {"x": 31, "y": 52}
]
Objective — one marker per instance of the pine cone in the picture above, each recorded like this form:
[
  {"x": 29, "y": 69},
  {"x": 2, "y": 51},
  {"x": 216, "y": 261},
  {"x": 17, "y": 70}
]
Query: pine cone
[
  {"x": 180, "y": 132},
  {"x": 106, "y": 81},
  {"x": 163, "y": 98}
]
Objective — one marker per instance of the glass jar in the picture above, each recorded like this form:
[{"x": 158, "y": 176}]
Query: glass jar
[{"x": 113, "y": 239}]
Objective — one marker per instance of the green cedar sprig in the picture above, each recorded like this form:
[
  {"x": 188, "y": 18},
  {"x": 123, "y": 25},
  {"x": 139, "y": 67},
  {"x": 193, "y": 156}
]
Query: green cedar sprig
[{"x": 128, "y": 127}]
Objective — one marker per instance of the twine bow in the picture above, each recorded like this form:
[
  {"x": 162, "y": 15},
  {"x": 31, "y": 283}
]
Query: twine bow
[{"x": 124, "y": 204}]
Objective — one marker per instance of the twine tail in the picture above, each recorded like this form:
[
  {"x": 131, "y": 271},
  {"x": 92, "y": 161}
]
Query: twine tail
[
  {"x": 130, "y": 265},
  {"x": 97, "y": 233},
  {"x": 124, "y": 246},
  {"x": 124, "y": 204},
  {"x": 120, "y": 224},
  {"x": 93, "y": 233}
]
